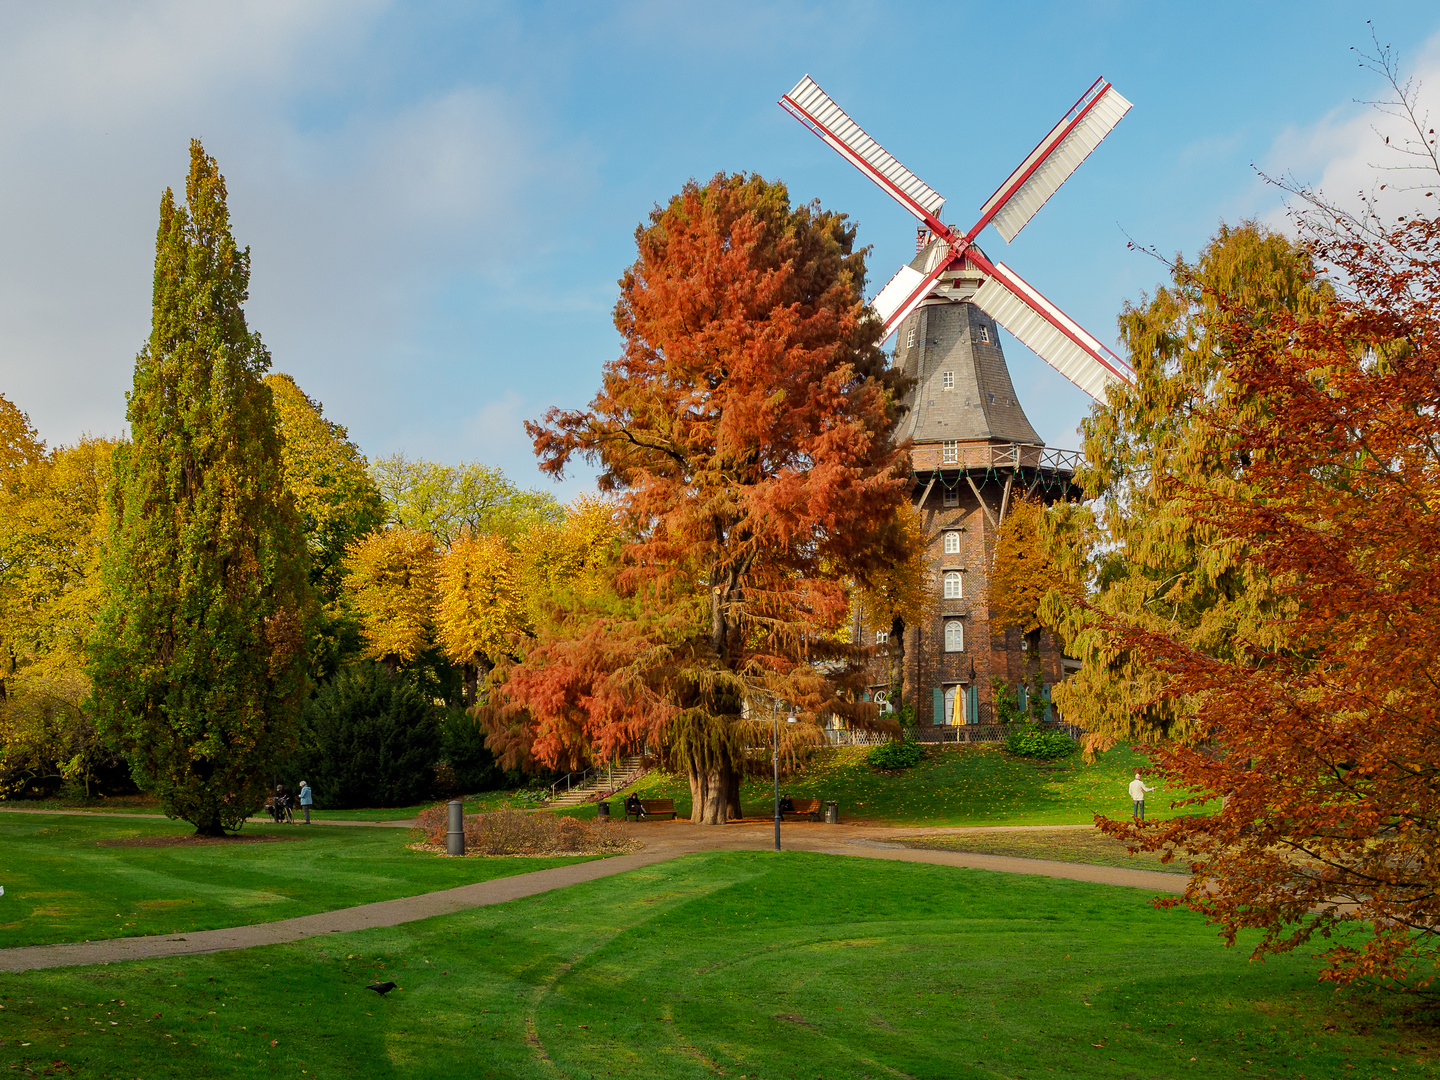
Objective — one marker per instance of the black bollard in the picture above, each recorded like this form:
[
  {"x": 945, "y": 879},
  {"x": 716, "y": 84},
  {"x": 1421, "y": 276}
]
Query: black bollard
[
  {"x": 455, "y": 836},
  {"x": 832, "y": 813}
]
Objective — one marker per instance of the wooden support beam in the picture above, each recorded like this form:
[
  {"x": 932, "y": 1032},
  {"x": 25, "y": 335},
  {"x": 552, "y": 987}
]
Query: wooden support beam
[
  {"x": 1005, "y": 499},
  {"x": 926, "y": 495},
  {"x": 983, "y": 506}
]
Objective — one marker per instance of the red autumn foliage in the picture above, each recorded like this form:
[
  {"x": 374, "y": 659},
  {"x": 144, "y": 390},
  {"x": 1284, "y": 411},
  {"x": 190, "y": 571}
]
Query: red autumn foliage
[
  {"x": 744, "y": 436},
  {"x": 1326, "y": 750}
]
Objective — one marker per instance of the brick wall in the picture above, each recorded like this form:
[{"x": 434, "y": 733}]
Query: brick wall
[{"x": 986, "y": 654}]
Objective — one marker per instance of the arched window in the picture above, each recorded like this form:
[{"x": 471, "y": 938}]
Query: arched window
[
  {"x": 882, "y": 636},
  {"x": 953, "y": 590},
  {"x": 954, "y": 636},
  {"x": 952, "y": 543}
]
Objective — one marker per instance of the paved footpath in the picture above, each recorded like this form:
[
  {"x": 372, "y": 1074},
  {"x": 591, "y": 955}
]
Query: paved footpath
[{"x": 663, "y": 841}]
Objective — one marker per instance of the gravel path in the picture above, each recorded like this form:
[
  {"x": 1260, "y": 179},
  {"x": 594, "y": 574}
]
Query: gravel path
[{"x": 663, "y": 841}]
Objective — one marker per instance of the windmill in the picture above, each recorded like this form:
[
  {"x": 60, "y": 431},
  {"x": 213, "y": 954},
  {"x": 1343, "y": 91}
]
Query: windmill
[
  {"x": 969, "y": 436},
  {"x": 996, "y": 289}
]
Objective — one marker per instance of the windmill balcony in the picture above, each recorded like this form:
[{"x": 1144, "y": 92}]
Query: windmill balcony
[{"x": 986, "y": 456}]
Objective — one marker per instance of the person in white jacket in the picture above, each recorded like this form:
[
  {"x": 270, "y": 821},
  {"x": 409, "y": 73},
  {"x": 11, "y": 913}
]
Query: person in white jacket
[{"x": 1138, "y": 788}]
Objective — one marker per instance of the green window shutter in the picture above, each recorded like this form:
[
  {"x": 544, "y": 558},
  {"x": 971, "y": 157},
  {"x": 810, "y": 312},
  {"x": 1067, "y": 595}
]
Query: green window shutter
[
  {"x": 1046, "y": 692},
  {"x": 937, "y": 705},
  {"x": 972, "y": 705}
]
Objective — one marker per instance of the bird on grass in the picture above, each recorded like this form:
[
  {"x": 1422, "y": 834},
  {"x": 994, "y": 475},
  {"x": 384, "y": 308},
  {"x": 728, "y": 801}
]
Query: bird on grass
[{"x": 381, "y": 988}]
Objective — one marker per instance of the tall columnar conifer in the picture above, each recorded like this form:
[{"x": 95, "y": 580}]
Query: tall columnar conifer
[{"x": 199, "y": 656}]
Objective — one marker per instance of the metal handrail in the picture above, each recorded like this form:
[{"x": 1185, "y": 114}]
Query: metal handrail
[
  {"x": 997, "y": 456},
  {"x": 595, "y": 770}
]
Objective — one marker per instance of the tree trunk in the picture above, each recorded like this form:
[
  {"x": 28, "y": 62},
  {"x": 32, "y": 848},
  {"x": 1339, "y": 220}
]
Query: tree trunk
[
  {"x": 732, "y": 796},
  {"x": 896, "y": 645},
  {"x": 472, "y": 677},
  {"x": 483, "y": 666},
  {"x": 709, "y": 793}
]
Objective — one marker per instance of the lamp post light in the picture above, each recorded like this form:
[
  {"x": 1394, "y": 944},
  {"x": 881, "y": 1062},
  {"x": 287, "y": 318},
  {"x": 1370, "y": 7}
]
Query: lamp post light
[{"x": 775, "y": 761}]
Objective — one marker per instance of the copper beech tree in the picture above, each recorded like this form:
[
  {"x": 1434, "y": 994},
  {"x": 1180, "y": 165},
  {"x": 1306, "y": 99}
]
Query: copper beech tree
[
  {"x": 1320, "y": 726},
  {"x": 744, "y": 438}
]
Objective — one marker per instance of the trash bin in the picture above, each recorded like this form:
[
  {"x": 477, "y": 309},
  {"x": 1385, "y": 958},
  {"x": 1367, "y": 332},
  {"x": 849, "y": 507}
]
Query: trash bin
[
  {"x": 832, "y": 812},
  {"x": 602, "y": 811},
  {"x": 455, "y": 834}
]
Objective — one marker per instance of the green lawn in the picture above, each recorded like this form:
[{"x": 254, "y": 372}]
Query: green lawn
[
  {"x": 743, "y": 964},
  {"x": 141, "y": 804},
  {"x": 1062, "y": 845},
  {"x": 62, "y": 885},
  {"x": 972, "y": 785}
]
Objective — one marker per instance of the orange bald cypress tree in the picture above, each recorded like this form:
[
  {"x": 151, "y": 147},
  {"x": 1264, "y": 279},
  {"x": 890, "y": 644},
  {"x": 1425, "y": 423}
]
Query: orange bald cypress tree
[
  {"x": 744, "y": 434},
  {"x": 1322, "y": 731}
]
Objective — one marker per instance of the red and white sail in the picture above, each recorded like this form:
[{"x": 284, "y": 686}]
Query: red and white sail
[
  {"x": 817, "y": 110},
  {"x": 1046, "y": 330},
  {"x": 1004, "y": 295},
  {"x": 1051, "y": 163}
]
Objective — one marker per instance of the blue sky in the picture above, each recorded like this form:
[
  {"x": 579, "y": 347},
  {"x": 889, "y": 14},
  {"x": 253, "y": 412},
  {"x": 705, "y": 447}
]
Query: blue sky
[{"x": 440, "y": 197}]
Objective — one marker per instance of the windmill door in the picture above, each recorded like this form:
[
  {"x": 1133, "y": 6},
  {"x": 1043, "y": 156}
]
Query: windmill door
[{"x": 950, "y": 717}]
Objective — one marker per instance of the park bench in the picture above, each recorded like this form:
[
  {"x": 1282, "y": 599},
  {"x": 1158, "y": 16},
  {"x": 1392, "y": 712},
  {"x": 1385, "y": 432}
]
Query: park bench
[
  {"x": 655, "y": 808},
  {"x": 805, "y": 808}
]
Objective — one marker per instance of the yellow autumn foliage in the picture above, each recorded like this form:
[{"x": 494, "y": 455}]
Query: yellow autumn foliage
[
  {"x": 391, "y": 577},
  {"x": 481, "y": 606}
]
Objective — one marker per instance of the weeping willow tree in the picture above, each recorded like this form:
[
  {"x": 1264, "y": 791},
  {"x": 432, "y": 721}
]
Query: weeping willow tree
[
  {"x": 744, "y": 437},
  {"x": 1138, "y": 554}
]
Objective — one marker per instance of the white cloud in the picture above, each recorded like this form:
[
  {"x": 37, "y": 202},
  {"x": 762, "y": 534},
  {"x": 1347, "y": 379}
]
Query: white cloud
[
  {"x": 1345, "y": 156},
  {"x": 359, "y": 209}
]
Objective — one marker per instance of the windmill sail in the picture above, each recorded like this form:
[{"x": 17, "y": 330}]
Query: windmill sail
[
  {"x": 816, "y": 110},
  {"x": 903, "y": 292},
  {"x": 1050, "y": 164},
  {"x": 1047, "y": 331}
]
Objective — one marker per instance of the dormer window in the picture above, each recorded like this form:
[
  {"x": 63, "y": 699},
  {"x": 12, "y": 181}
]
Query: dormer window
[{"x": 947, "y": 380}]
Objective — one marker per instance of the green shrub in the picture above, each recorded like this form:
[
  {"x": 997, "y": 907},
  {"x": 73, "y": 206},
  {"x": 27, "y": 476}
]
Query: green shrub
[
  {"x": 1031, "y": 740},
  {"x": 372, "y": 739},
  {"x": 468, "y": 765},
  {"x": 905, "y": 754}
]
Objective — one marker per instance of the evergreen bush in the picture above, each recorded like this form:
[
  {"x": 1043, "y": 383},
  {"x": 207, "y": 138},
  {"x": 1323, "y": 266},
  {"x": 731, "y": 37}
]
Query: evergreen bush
[
  {"x": 905, "y": 754},
  {"x": 469, "y": 765},
  {"x": 372, "y": 740},
  {"x": 1032, "y": 740}
]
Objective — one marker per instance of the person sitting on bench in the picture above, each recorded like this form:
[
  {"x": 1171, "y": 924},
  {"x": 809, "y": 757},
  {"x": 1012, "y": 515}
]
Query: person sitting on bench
[
  {"x": 632, "y": 806},
  {"x": 787, "y": 804}
]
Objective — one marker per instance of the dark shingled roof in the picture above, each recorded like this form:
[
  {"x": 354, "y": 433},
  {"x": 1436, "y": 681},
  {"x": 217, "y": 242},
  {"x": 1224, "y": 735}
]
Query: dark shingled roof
[{"x": 948, "y": 335}]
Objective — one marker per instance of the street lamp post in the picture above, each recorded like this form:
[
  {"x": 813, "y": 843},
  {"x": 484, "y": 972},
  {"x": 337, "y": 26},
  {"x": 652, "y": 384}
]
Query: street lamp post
[{"x": 775, "y": 761}]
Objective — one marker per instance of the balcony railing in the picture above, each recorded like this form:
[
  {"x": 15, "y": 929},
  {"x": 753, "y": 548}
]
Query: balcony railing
[{"x": 986, "y": 456}]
